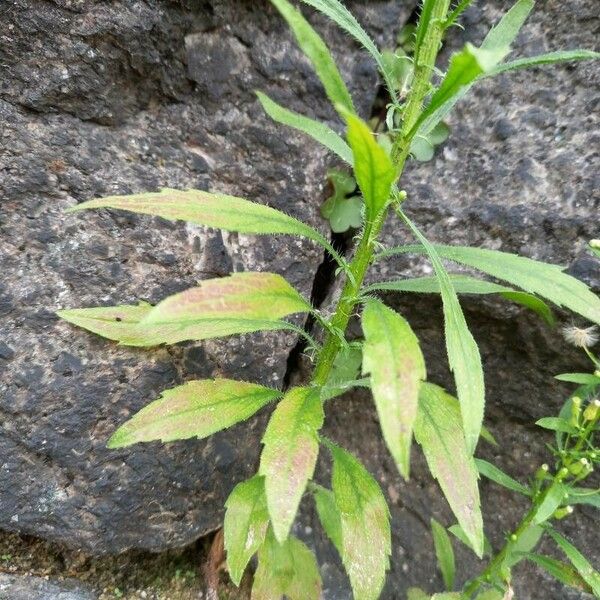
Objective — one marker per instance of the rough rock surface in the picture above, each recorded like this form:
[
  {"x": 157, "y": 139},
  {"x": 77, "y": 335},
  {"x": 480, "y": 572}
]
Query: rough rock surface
[
  {"x": 15, "y": 587},
  {"x": 99, "y": 98},
  {"x": 519, "y": 173}
]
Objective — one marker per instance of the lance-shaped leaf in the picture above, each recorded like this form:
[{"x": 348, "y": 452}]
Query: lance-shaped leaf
[
  {"x": 211, "y": 210},
  {"x": 498, "y": 476},
  {"x": 254, "y": 296},
  {"x": 444, "y": 553},
  {"x": 391, "y": 354},
  {"x": 240, "y": 303},
  {"x": 373, "y": 168},
  {"x": 194, "y": 409},
  {"x": 504, "y": 33},
  {"x": 580, "y": 378},
  {"x": 543, "y": 279},
  {"x": 465, "y": 67},
  {"x": 549, "y": 58},
  {"x": 560, "y": 571},
  {"x": 364, "y": 515},
  {"x": 288, "y": 569},
  {"x": 463, "y": 353},
  {"x": 439, "y": 432},
  {"x": 291, "y": 446},
  {"x": 338, "y": 13},
  {"x": 578, "y": 495},
  {"x": 246, "y": 524},
  {"x": 316, "y": 130},
  {"x": 465, "y": 284},
  {"x": 329, "y": 515},
  {"x": 316, "y": 50},
  {"x": 526, "y": 542},
  {"x": 581, "y": 564}
]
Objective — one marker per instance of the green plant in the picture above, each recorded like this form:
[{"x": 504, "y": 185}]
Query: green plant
[{"x": 261, "y": 511}]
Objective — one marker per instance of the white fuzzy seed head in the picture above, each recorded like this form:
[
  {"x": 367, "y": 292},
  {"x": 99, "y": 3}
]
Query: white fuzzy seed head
[{"x": 581, "y": 337}]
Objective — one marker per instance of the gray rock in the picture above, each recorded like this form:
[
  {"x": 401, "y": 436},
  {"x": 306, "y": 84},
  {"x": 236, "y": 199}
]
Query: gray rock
[
  {"x": 130, "y": 96},
  {"x": 26, "y": 587}
]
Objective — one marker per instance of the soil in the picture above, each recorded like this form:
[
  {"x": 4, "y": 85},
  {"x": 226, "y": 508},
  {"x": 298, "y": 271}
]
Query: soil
[{"x": 172, "y": 575}]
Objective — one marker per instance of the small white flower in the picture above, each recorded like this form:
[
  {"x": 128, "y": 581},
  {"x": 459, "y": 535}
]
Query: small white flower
[{"x": 580, "y": 336}]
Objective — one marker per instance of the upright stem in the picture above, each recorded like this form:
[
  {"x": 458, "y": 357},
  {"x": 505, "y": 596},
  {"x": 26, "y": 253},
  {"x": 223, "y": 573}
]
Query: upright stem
[{"x": 365, "y": 249}]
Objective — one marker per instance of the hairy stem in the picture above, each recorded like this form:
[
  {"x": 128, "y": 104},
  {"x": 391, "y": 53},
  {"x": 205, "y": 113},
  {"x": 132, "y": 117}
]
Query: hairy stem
[{"x": 366, "y": 246}]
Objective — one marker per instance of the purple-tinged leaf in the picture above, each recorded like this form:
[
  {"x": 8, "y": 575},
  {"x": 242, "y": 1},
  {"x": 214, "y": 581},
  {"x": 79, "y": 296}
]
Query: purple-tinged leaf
[
  {"x": 246, "y": 524},
  {"x": 365, "y": 524},
  {"x": 194, "y": 409},
  {"x": 291, "y": 446},
  {"x": 391, "y": 354},
  {"x": 439, "y": 431}
]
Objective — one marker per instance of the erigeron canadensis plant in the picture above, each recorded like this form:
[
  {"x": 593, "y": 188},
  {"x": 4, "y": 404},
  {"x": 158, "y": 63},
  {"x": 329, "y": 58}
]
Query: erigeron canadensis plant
[{"x": 261, "y": 511}]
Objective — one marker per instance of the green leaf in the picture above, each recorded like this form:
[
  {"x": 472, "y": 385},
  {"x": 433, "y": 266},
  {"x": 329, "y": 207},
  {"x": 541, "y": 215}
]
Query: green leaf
[
  {"x": 505, "y": 32},
  {"x": 465, "y": 284},
  {"x": 125, "y": 324},
  {"x": 546, "y": 280},
  {"x": 373, "y": 167},
  {"x": 391, "y": 354},
  {"x": 288, "y": 459},
  {"x": 366, "y": 537},
  {"x": 195, "y": 409},
  {"x": 329, "y": 515},
  {"x": 543, "y": 279},
  {"x": 417, "y": 594},
  {"x": 500, "y": 477},
  {"x": 580, "y": 378},
  {"x": 338, "y": 13},
  {"x": 421, "y": 148},
  {"x": 447, "y": 596},
  {"x": 583, "y": 496},
  {"x": 549, "y": 58},
  {"x": 465, "y": 67},
  {"x": 315, "y": 49},
  {"x": 288, "y": 569},
  {"x": 463, "y": 353},
  {"x": 246, "y": 524},
  {"x": 439, "y": 134},
  {"x": 316, "y": 130},
  {"x": 400, "y": 68},
  {"x": 525, "y": 543},
  {"x": 581, "y": 564},
  {"x": 457, "y": 531},
  {"x": 346, "y": 368},
  {"x": 438, "y": 430},
  {"x": 342, "y": 212},
  {"x": 556, "y": 424},
  {"x": 210, "y": 209},
  {"x": 553, "y": 499},
  {"x": 444, "y": 553},
  {"x": 240, "y": 303},
  {"x": 560, "y": 571},
  {"x": 254, "y": 296}
]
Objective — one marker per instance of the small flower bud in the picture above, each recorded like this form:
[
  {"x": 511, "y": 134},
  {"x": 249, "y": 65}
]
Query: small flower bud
[
  {"x": 513, "y": 537},
  {"x": 401, "y": 195},
  {"x": 595, "y": 244},
  {"x": 562, "y": 473},
  {"x": 561, "y": 513},
  {"x": 592, "y": 410},
  {"x": 597, "y": 373},
  {"x": 541, "y": 473}
]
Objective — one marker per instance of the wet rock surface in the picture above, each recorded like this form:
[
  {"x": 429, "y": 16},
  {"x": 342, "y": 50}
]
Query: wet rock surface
[{"x": 103, "y": 98}]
